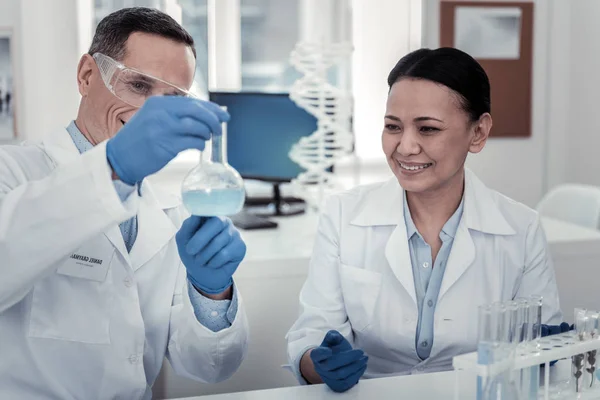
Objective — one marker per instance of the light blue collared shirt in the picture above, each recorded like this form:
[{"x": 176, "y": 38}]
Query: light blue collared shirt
[
  {"x": 215, "y": 315},
  {"x": 428, "y": 276}
]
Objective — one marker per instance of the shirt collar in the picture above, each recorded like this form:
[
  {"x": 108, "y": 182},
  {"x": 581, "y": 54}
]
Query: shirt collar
[
  {"x": 79, "y": 140},
  {"x": 450, "y": 227}
]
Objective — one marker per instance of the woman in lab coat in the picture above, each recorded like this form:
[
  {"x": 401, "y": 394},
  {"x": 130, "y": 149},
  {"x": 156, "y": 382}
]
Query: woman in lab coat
[{"x": 400, "y": 267}]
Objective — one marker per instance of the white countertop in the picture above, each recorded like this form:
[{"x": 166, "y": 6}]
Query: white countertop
[
  {"x": 438, "y": 386},
  {"x": 434, "y": 386},
  {"x": 293, "y": 238}
]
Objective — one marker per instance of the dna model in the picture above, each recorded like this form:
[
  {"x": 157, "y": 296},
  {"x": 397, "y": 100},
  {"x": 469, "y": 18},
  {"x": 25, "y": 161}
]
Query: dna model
[{"x": 331, "y": 106}]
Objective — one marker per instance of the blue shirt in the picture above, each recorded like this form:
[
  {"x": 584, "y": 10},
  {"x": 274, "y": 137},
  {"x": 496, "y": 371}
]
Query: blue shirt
[
  {"x": 216, "y": 315},
  {"x": 428, "y": 276}
]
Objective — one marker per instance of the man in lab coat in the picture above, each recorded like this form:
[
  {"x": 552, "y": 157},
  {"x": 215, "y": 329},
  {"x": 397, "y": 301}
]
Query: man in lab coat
[{"x": 101, "y": 274}]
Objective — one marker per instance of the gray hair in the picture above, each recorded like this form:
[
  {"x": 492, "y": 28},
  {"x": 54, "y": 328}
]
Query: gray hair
[{"x": 114, "y": 30}]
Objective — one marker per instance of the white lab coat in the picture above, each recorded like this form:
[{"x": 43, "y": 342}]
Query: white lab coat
[
  {"x": 361, "y": 282},
  {"x": 98, "y": 324}
]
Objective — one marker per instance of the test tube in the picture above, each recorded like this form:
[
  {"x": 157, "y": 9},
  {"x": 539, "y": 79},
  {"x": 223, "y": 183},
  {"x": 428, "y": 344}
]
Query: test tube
[
  {"x": 590, "y": 362},
  {"x": 534, "y": 331},
  {"x": 501, "y": 329},
  {"x": 535, "y": 319},
  {"x": 578, "y": 361},
  {"x": 580, "y": 319},
  {"x": 512, "y": 309},
  {"x": 524, "y": 375},
  {"x": 500, "y": 385},
  {"x": 514, "y": 328},
  {"x": 523, "y": 321},
  {"x": 484, "y": 345}
]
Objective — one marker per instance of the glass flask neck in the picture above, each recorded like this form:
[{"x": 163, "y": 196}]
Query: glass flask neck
[{"x": 218, "y": 151}]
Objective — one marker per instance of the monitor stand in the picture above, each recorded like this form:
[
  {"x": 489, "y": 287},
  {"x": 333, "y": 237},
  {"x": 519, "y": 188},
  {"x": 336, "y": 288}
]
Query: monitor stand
[
  {"x": 256, "y": 210},
  {"x": 276, "y": 206}
]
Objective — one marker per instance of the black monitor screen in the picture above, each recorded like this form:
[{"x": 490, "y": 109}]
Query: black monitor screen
[{"x": 262, "y": 130}]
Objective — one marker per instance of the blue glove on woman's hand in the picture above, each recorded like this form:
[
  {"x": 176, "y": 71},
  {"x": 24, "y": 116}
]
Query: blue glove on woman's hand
[
  {"x": 211, "y": 250},
  {"x": 548, "y": 330},
  {"x": 338, "y": 365}
]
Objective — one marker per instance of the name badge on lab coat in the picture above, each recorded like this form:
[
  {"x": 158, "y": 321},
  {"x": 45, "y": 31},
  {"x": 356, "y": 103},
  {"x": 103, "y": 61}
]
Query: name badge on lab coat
[{"x": 90, "y": 261}]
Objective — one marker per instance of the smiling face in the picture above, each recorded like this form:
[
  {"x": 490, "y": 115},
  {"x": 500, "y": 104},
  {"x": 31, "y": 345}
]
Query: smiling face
[
  {"x": 428, "y": 134},
  {"x": 102, "y": 114}
]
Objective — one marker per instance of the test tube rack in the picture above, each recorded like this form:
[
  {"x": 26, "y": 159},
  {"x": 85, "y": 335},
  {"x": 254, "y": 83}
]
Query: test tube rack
[{"x": 555, "y": 347}]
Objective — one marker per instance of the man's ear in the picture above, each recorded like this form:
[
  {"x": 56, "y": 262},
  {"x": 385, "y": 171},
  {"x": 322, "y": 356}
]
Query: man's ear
[{"x": 85, "y": 72}]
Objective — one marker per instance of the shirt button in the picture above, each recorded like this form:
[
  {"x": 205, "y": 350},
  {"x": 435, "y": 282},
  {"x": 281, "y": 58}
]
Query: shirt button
[
  {"x": 127, "y": 281},
  {"x": 214, "y": 314},
  {"x": 424, "y": 343},
  {"x": 430, "y": 303},
  {"x": 133, "y": 358},
  {"x": 425, "y": 264}
]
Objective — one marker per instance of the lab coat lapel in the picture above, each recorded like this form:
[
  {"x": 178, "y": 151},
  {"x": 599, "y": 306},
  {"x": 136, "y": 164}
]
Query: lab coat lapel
[
  {"x": 116, "y": 239},
  {"x": 397, "y": 254},
  {"x": 480, "y": 214},
  {"x": 461, "y": 257},
  {"x": 155, "y": 228},
  {"x": 60, "y": 147},
  {"x": 384, "y": 207}
]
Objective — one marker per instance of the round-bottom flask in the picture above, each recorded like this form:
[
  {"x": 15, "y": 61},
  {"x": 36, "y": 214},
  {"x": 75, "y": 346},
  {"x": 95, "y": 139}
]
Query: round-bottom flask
[{"x": 213, "y": 187}]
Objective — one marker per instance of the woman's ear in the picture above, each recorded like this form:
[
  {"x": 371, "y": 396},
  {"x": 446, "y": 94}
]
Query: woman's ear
[{"x": 481, "y": 130}]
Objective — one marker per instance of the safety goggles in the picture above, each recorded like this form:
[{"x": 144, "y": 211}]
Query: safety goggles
[{"x": 132, "y": 86}]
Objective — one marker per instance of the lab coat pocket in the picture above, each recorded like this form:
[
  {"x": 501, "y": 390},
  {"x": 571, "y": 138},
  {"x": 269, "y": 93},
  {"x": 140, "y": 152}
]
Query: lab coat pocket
[
  {"x": 361, "y": 291},
  {"x": 74, "y": 304}
]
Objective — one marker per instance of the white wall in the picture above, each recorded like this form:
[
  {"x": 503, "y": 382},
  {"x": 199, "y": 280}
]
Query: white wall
[
  {"x": 519, "y": 167},
  {"x": 381, "y": 35},
  {"x": 51, "y": 49},
  {"x": 583, "y": 133},
  {"x": 559, "y": 80}
]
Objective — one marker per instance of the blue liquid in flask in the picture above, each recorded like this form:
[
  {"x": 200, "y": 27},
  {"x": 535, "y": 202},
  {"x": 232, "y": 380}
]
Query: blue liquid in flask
[
  {"x": 213, "y": 187},
  {"x": 214, "y": 202}
]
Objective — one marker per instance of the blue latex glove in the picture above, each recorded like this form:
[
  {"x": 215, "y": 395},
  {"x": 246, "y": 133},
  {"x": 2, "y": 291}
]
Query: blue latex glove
[
  {"x": 162, "y": 128},
  {"x": 548, "y": 330},
  {"x": 211, "y": 250},
  {"x": 338, "y": 365}
]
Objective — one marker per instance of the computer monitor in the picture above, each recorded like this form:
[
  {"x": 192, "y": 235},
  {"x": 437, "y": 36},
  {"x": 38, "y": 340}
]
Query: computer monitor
[{"x": 262, "y": 130}]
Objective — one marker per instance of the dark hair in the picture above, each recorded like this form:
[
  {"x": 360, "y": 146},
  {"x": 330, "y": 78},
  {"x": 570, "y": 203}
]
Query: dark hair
[
  {"x": 114, "y": 30},
  {"x": 452, "y": 68}
]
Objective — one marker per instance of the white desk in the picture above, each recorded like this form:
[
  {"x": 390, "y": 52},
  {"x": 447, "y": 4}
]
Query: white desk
[
  {"x": 434, "y": 386},
  {"x": 576, "y": 254}
]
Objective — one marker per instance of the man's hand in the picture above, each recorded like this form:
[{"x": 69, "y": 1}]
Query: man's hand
[
  {"x": 211, "y": 250},
  {"x": 161, "y": 129}
]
